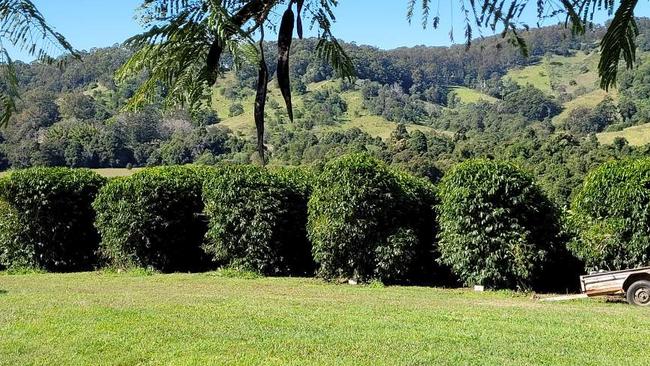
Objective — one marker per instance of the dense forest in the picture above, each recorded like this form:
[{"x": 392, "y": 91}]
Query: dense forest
[{"x": 74, "y": 115}]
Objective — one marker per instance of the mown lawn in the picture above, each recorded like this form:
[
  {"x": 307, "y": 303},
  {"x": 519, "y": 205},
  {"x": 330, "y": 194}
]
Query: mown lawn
[{"x": 125, "y": 319}]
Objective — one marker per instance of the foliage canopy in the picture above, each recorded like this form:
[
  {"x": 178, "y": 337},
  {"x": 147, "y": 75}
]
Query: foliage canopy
[
  {"x": 497, "y": 228},
  {"x": 611, "y": 216},
  {"x": 368, "y": 222},
  {"x": 48, "y": 220},
  {"x": 152, "y": 219}
]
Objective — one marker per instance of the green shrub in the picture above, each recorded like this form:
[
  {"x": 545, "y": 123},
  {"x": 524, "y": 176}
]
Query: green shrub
[
  {"x": 370, "y": 223},
  {"x": 153, "y": 219},
  {"x": 257, "y": 220},
  {"x": 498, "y": 229},
  {"x": 47, "y": 219},
  {"x": 610, "y": 216},
  {"x": 12, "y": 253}
]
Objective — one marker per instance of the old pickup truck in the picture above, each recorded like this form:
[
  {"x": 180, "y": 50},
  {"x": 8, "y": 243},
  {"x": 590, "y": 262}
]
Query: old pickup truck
[{"x": 633, "y": 283}]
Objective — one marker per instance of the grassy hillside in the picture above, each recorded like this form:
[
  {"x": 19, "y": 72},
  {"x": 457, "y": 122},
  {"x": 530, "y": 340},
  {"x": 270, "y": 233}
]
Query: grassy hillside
[
  {"x": 554, "y": 74},
  {"x": 535, "y": 75},
  {"x": 356, "y": 116},
  {"x": 589, "y": 100},
  {"x": 576, "y": 75},
  {"x": 468, "y": 95},
  {"x": 198, "y": 319},
  {"x": 635, "y": 135},
  {"x": 105, "y": 172}
]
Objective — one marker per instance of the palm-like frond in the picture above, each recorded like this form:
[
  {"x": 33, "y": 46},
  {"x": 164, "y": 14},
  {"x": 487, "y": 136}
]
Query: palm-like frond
[
  {"x": 331, "y": 51},
  {"x": 619, "y": 40},
  {"x": 9, "y": 96},
  {"x": 175, "y": 55},
  {"x": 24, "y": 27},
  {"x": 181, "y": 50}
]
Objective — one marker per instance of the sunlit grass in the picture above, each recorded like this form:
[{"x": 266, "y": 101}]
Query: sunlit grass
[
  {"x": 468, "y": 95},
  {"x": 589, "y": 100},
  {"x": 535, "y": 75},
  {"x": 153, "y": 319},
  {"x": 635, "y": 135},
  {"x": 105, "y": 172}
]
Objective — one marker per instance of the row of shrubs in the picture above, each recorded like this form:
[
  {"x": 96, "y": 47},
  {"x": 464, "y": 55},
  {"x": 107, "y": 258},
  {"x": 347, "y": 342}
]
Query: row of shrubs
[{"x": 485, "y": 223}]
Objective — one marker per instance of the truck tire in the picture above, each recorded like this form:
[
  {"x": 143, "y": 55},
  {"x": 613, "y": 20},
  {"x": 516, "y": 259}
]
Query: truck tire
[{"x": 639, "y": 293}]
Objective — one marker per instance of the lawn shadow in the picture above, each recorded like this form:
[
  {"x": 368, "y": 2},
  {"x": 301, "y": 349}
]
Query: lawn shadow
[
  {"x": 615, "y": 300},
  {"x": 3, "y": 292}
]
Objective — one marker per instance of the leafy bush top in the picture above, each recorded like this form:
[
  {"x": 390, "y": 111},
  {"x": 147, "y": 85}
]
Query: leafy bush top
[
  {"x": 496, "y": 226},
  {"x": 52, "y": 209},
  {"x": 257, "y": 219},
  {"x": 153, "y": 219},
  {"x": 611, "y": 216},
  {"x": 368, "y": 222}
]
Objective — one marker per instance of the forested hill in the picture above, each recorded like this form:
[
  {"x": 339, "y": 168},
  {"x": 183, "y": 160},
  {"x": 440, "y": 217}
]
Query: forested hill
[{"x": 423, "y": 108}]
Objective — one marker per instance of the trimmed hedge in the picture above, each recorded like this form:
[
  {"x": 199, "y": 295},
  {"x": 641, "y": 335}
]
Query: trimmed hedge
[
  {"x": 257, "y": 219},
  {"x": 153, "y": 219},
  {"x": 47, "y": 219},
  {"x": 12, "y": 252},
  {"x": 611, "y": 216},
  {"x": 368, "y": 222},
  {"x": 498, "y": 229}
]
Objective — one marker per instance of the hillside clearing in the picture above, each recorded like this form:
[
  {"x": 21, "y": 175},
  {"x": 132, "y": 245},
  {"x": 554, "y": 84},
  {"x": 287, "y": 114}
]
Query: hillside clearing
[
  {"x": 635, "y": 135},
  {"x": 104, "y": 172},
  {"x": 103, "y": 318},
  {"x": 468, "y": 95},
  {"x": 589, "y": 100},
  {"x": 554, "y": 73}
]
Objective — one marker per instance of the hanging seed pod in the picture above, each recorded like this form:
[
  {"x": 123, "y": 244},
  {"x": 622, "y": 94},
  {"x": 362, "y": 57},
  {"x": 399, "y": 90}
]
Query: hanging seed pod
[
  {"x": 214, "y": 56},
  {"x": 260, "y": 102},
  {"x": 299, "y": 5},
  {"x": 284, "y": 46}
]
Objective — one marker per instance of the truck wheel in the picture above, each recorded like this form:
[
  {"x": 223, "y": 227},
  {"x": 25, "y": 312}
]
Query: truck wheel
[{"x": 639, "y": 293}]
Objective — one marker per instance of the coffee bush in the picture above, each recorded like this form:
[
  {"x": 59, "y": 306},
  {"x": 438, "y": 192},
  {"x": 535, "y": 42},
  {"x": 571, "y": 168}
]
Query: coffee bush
[
  {"x": 154, "y": 219},
  {"x": 257, "y": 219},
  {"x": 610, "y": 216},
  {"x": 47, "y": 219},
  {"x": 371, "y": 223},
  {"x": 498, "y": 229}
]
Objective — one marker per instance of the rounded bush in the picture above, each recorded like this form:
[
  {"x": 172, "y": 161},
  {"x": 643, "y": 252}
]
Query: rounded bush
[
  {"x": 371, "y": 223},
  {"x": 47, "y": 219},
  {"x": 498, "y": 229},
  {"x": 12, "y": 253},
  {"x": 153, "y": 219},
  {"x": 257, "y": 219},
  {"x": 610, "y": 216}
]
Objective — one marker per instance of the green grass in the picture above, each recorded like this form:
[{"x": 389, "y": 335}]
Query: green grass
[
  {"x": 555, "y": 73},
  {"x": 468, "y": 95},
  {"x": 589, "y": 100},
  {"x": 536, "y": 75},
  {"x": 635, "y": 135},
  {"x": 129, "y": 318},
  {"x": 105, "y": 172}
]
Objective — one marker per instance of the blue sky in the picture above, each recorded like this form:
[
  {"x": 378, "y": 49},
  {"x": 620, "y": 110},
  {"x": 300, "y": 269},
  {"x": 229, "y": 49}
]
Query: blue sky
[{"x": 381, "y": 23}]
